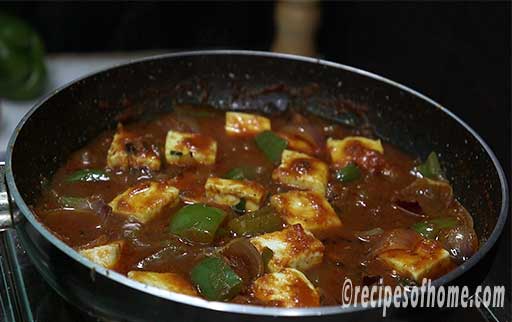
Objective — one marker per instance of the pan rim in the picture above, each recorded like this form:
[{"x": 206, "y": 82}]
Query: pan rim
[{"x": 240, "y": 308}]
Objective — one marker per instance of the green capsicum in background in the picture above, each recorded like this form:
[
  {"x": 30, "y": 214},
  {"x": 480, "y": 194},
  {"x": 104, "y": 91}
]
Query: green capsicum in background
[{"x": 22, "y": 68}]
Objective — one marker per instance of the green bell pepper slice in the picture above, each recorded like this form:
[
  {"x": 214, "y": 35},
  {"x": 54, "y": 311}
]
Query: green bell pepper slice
[
  {"x": 74, "y": 202},
  {"x": 430, "y": 228},
  {"x": 431, "y": 168},
  {"x": 241, "y": 173},
  {"x": 197, "y": 222},
  {"x": 88, "y": 175},
  {"x": 216, "y": 280},
  {"x": 348, "y": 173},
  {"x": 261, "y": 221},
  {"x": 271, "y": 145}
]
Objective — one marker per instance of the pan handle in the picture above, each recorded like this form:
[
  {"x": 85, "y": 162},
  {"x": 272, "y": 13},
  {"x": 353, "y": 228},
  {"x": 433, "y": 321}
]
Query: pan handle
[
  {"x": 5, "y": 207},
  {"x": 13, "y": 297}
]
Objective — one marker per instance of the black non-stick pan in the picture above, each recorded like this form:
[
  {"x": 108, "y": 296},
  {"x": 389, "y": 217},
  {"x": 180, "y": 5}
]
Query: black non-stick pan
[{"x": 74, "y": 114}]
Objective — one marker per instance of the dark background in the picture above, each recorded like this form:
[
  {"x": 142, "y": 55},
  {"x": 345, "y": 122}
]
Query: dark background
[{"x": 459, "y": 54}]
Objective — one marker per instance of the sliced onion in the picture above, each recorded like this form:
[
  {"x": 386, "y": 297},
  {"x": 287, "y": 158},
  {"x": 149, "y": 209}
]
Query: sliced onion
[
  {"x": 164, "y": 256},
  {"x": 244, "y": 258},
  {"x": 101, "y": 240},
  {"x": 367, "y": 234},
  {"x": 304, "y": 132},
  {"x": 409, "y": 208},
  {"x": 94, "y": 203},
  {"x": 432, "y": 196},
  {"x": 461, "y": 241},
  {"x": 396, "y": 239},
  {"x": 302, "y": 129},
  {"x": 131, "y": 231},
  {"x": 457, "y": 210},
  {"x": 98, "y": 205}
]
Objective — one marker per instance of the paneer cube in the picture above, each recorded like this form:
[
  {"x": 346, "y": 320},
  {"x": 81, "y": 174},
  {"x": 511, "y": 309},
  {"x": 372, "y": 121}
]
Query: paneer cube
[
  {"x": 245, "y": 124},
  {"x": 129, "y": 150},
  {"x": 286, "y": 288},
  {"x": 106, "y": 255},
  {"x": 145, "y": 200},
  {"x": 297, "y": 143},
  {"x": 186, "y": 149},
  {"x": 309, "y": 209},
  {"x": 426, "y": 259},
  {"x": 362, "y": 151},
  {"x": 168, "y": 281},
  {"x": 301, "y": 171},
  {"x": 292, "y": 247},
  {"x": 231, "y": 192}
]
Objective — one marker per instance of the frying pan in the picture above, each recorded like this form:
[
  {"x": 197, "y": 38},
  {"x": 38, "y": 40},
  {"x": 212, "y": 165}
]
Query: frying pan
[{"x": 71, "y": 116}]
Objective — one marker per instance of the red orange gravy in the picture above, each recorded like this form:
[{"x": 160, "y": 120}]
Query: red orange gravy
[{"x": 362, "y": 205}]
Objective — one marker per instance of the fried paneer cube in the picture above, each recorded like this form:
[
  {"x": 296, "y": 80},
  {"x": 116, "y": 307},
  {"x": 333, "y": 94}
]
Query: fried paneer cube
[
  {"x": 362, "y": 151},
  {"x": 145, "y": 200},
  {"x": 286, "y": 288},
  {"x": 231, "y": 192},
  {"x": 425, "y": 259},
  {"x": 291, "y": 247},
  {"x": 106, "y": 255},
  {"x": 309, "y": 209},
  {"x": 129, "y": 150},
  {"x": 301, "y": 171},
  {"x": 168, "y": 281},
  {"x": 186, "y": 149},
  {"x": 245, "y": 124}
]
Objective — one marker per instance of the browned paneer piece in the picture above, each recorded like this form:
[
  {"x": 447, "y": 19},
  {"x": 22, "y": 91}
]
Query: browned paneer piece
[
  {"x": 129, "y": 150},
  {"x": 168, "y": 281},
  {"x": 286, "y": 288},
  {"x": 245, "y": 124},
  {"x": 366, "y": 153},
  {"x": 145, "y": 200},
  {"x": 309, "y": 209},
  {"x": 186, "y": 149},
  {"x": 105, "y": 255},
  {"x": 292, "y": 247},
  {"x": 301, "y": 171},
  {"x": 230, "y": 192},
  {"x": 422, "y": 258}
]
